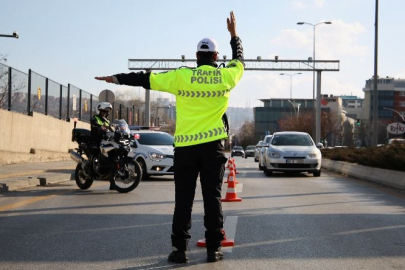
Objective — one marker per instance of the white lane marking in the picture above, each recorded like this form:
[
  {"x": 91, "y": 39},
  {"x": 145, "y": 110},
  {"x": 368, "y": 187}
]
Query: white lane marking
[{"x": 230, "y": 230}]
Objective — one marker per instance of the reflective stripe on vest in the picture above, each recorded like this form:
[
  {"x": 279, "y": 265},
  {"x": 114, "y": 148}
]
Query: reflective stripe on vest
[
  {"x": 101, "y": 122},
  {"x": 199, "y": 136},
  {"x": 202, "y": 96}
]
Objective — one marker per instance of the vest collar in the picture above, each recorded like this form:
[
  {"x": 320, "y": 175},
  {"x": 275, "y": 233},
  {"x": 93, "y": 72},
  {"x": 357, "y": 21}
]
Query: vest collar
[{"x": 203, "y": 62}]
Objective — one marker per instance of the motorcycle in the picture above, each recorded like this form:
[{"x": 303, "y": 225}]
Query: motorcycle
[{"x": 114, "y": 160}]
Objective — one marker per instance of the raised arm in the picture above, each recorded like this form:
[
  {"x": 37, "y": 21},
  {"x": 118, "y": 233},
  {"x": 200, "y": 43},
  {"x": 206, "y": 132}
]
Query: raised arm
[{"x": 236, "y": 42}]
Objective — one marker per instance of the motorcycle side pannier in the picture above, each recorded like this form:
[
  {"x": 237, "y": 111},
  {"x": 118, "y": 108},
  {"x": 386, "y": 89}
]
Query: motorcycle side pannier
[{"x": 80, "y": 135}]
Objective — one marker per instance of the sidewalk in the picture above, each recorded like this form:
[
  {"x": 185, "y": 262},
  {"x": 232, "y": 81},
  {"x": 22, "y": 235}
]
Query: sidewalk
[{"x": 24, "y": 175}]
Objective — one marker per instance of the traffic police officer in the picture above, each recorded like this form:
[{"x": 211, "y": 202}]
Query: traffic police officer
[
  {"x": 202, "y": 95},
  {"x": 99, "y": 126}
]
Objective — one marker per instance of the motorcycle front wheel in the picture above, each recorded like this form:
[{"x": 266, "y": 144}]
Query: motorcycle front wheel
[
  {"x": 128, "y": 181},
  {"x": 82, "y": 181}
]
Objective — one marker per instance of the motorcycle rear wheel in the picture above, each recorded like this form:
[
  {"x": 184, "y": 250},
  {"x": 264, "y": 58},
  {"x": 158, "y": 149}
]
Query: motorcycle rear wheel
[
  {"x": 82, "y": 181},
  {"x": 124, "y": 185}
]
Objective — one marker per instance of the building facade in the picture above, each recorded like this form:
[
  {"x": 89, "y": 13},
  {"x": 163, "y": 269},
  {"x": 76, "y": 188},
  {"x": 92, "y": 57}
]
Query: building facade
[
  {"x": 391, "y": 95},
  {"x": 267, "y": 118},
  {"x": 391, "y": 102}
]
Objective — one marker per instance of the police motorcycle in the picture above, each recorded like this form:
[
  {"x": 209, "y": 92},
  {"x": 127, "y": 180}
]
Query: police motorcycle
[{"x": 114, "y": 161}]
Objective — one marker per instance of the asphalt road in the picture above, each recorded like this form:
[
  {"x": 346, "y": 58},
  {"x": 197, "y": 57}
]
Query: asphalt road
[{"x": 283, "y": 222}]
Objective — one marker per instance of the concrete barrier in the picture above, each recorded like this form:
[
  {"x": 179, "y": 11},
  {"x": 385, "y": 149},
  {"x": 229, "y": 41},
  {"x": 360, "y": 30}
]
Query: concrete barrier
[
  {"x": 35, "y": 138},
  {"x": 390, "y": 178}
]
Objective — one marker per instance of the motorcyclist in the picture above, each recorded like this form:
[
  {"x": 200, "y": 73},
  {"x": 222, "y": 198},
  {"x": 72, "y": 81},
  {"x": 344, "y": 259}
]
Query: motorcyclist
[
  {"x": 99, "y": 123},
  {"x": 99, "y": 126}
]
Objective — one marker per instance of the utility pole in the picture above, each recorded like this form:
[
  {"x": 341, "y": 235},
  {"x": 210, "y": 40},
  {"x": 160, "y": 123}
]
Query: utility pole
[{"x": 375, "y": 92}]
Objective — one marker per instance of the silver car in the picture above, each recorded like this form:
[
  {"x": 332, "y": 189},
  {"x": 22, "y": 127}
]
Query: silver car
[
  {"x": 265, "y": 145},
  {"x": 291, "y": 151},
  {"x": 257, "y": 150}
]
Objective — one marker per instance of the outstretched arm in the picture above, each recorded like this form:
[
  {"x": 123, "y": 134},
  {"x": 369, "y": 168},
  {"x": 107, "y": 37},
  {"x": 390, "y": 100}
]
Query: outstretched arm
[{"x": 133, "y": 79}]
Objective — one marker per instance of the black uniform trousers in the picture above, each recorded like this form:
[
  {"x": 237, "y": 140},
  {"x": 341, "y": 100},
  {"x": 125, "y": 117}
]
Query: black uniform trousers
[{"x": 208, "y": 161}]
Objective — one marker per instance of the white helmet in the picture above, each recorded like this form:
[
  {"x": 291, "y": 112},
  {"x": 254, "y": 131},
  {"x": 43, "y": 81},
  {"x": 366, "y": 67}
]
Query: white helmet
[{"x": 103, "y": 106}]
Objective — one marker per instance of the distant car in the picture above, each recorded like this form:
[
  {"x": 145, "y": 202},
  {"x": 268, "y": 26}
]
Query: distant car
[
  {"x": 257, "y": 150},
  {"x": 265, "y": 145},
  {"x": 153, "y": 151},
  {"x": 396, "y": 141},
  {"x": 237, "y": 151},
  {"x": 250, "y": 151},
  {"x": 291, "y": 151}
]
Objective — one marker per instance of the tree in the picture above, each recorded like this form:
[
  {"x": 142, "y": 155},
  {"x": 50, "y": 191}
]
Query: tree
[
  {"x": 330, "y": 125},
  {"x": 246, "y": 134},
  {"x": 302, "y": 124},
  {"x": 19, "y": 100}
]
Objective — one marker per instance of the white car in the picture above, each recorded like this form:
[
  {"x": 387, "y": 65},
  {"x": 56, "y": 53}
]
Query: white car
[
  {"x": 153, "y": 151},
  {"x": 250, "y": 151},
  {"x": 257, "y": 150},
  {"x": 263, "y": 149},
  {"x": 291, "y": 151}
]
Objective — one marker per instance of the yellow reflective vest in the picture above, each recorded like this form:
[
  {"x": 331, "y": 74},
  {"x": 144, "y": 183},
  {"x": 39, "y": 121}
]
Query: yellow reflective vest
[
  {"x": 100, "y": 121},
  {"x": 202, "y": 96}
]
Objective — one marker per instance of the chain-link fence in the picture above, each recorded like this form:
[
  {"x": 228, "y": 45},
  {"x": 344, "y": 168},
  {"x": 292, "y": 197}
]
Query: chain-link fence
[{"x": 32, "y": 92}]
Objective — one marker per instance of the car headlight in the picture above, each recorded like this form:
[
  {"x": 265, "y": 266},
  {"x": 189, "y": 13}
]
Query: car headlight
[
  {"x": 274, "y": 154},
  {"x": 156, "y": 156},
  {"x": 313, "y": 155}
]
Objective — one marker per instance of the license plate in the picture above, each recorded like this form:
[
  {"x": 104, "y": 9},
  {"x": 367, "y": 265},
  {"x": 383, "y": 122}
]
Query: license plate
[{"x": 294, "y": 161}]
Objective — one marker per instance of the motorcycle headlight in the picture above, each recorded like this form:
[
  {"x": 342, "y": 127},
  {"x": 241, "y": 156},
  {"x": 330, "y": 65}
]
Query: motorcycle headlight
[
  {"x": 156, "y": 156},
  {"x": 274, "y": 154},
  {"x": 313, "y": 155}
]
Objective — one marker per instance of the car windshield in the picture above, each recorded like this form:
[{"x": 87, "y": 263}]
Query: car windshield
[
  {"x": 292, "y": 139},
  {"x": 238, "y": 148},
  {"x": 250, "y": 147},
  {"x": 268, "y": 139},
  {"x": 155, "y": 138}
]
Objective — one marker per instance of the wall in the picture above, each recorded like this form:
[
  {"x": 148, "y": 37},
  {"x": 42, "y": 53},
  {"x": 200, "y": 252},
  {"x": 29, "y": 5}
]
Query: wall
[{"x": 34, "y": 138}]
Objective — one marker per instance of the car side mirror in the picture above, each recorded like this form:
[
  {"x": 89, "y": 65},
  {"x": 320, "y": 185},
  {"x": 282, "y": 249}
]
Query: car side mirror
[{"x": 319, "y": 145}]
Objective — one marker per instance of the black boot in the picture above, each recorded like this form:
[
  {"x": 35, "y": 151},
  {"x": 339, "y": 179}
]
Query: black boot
[
  {"x": 112, "y": 186},
  {"x": 178, "y": 256},
  {"x": 214, "y": 255}
]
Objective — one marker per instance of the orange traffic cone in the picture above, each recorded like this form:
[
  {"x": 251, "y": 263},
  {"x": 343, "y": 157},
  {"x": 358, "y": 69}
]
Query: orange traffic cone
[
  {"x": 228, "y": 166},
  {"x": 225, "y": 242},
  {"x": 234, "y": 166},
  {"x": 231, "y": 192}
]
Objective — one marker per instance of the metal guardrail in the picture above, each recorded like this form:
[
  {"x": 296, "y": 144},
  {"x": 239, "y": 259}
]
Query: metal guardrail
[{"x": 31, "y": 92}]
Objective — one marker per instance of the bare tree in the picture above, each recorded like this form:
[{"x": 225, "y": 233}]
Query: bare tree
[
  {"x": 246, "y": 135},
  {"x": 330, "y": 125},
  {"x": 19, "y": 100}
]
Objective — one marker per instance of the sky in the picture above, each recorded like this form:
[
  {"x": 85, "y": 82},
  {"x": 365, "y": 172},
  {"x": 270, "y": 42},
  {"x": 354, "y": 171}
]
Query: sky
[{"x": 74, "y": 41}]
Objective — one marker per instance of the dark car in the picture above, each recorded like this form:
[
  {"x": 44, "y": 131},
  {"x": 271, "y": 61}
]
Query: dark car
[
  {"x": 250, "y": 151},
  {"x": 237, "y": 151}
]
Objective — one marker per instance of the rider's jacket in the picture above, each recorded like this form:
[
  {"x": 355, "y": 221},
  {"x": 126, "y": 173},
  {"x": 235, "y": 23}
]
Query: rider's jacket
[
  {"x": 96, "y": 131},
  {"x": 202, "y": 95}
]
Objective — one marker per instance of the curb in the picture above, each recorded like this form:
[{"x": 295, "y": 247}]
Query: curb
[
  {"x": 14, "y": 175},
  {"x": 17, "y": 183},
  {"x": 395, "y": 179}
]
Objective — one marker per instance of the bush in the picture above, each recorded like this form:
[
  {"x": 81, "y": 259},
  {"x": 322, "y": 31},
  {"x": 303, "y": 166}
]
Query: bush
[{"x": 390, "y": 157}]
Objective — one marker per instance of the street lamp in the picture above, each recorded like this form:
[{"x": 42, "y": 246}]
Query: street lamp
[
  {"x": 318, "y": 119},
  {"x": 296, "y": 112},
  {"x": 291, "y": 75},
  {"x": 400, "y": 115},
  {"x": 14, "y": 35}
]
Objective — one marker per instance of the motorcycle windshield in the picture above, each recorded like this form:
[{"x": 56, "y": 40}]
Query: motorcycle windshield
[{"x": 122, "y": 126}]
